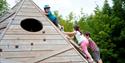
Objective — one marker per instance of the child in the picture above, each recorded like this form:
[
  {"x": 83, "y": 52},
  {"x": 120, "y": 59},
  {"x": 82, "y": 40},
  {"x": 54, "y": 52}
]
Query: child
[
  {"x": 82, "y": 41},
  {"x": 94, "y": 48},
  {"x": 50, "y": 15}
]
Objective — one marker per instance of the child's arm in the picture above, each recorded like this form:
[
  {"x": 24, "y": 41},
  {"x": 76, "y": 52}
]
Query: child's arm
[
  {"x": 70, "y": 33},
  {"x": 46, "y": 13}
]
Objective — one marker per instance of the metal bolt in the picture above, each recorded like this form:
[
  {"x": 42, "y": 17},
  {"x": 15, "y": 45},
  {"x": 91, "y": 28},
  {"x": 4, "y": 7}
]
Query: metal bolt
[
  {"x": 1, "y": 50},
  {"x": 31, "y": 44},
  {"x": 44, "y": 39},
  {"x": 43, "y": 32},
  {"x": 16, "y": 46}
]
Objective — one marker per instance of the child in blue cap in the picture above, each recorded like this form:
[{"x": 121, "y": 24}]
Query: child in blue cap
[{"x": 50, "y": 15}]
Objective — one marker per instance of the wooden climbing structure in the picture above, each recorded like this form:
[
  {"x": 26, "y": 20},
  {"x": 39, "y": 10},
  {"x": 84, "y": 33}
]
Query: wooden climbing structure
[{"x": 28, "y": 36}]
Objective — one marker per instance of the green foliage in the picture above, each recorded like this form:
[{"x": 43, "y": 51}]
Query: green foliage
[
  {"x": 107, "y": 28},
  {"x": 67, "y": 23},
  {"x": 106, "y": 8},
  {"x": 3, "y": 6}
]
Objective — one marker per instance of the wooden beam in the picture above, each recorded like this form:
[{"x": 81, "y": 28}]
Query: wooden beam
[
  {"x": 2, "y": 28},
  {"x": 7, "y": 17},
  {"x": 49, "y": 55}
]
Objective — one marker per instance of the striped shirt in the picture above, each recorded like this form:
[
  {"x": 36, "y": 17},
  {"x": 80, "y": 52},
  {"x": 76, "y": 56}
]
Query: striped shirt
[{"x": 92, "y": 45}]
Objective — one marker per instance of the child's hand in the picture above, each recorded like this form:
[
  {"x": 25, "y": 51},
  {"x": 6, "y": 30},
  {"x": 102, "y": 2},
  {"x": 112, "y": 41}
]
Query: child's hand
[{"x": 46, "y": 13}]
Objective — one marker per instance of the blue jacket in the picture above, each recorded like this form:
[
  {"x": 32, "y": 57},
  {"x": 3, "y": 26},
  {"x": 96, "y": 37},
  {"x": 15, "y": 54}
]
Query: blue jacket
[{"x": 51, "y": 16}]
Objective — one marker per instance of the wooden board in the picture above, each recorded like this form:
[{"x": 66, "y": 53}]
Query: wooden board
[
  {"x": 24, "y": 17},
  {"x": 32, "y": 37},
  {"x": 30, "y": 14},
  {"x": 35, "y": 42},
  {"x": 22, "y": 54},
  {"x": 31, "y": 48},
  {"x": 28, "y": 10},
  {"x": 31, "y": 6},
  {"x": 42, "y": 21},
  {"x": 17, "y": 30}
]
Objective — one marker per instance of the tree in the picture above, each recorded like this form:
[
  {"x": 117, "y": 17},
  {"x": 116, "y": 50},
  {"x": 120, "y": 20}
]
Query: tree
[
  {"x": 67, "y": 23},
  {"x": 106, "y": 8},
  {"x": 107, "y": 28},
  {"x": 118, "y": 29},
  {"x": 3, "y": 6}
]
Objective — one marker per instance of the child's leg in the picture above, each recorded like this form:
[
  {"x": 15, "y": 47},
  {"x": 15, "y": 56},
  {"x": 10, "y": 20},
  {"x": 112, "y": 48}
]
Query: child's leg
[
  {"x": 96, "y": 55},
  {"x": 85, "y": 50},
  {"x": 56, "y": 22},
  {"x": 100, "y": 61}
]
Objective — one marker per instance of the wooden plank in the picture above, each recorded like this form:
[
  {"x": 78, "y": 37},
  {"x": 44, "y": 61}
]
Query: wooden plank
[
  {"x": 38, "y": 53},
  {"x": 68, "y": 53},
  {"x": 35, "y": 54},
  {"x": 17, "y": 30},
  {"x": 8, "y": 61},
  {"x": 42, "y": 19},
  {"x": 64, "y": 59},
  {"x": 27, "y": 3},
  {"x": 18, "y": 21},
  {"x": 20, "y": 32},
  {"x": 31, "y": 6},
  {"x": 71, "y": 55},
  {"x": 21, "y": 59},
  {"x": 51, "y": 54},
  {"x": 28, "y": 10},
  {"x": 29, "y": 14},
  {"x": 31, "y": 48},
  {"x": 24, "y": 54},
  {"x": 12, "y": 48},
  {"x": 24, "y": 17},
  {"x": 21, "y": 37},
  {"x": 35, "y": 42},
  {"x": 56, "y": 60}
]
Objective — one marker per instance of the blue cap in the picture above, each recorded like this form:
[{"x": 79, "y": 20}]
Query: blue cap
[{"x": 46, "y": 6}]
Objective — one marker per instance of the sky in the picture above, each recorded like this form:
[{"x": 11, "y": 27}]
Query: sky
[{"x": 66, "y": 6}]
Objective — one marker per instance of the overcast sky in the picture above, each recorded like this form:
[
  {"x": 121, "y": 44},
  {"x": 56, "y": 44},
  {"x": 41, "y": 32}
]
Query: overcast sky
[{"x": 66, "y": 6}]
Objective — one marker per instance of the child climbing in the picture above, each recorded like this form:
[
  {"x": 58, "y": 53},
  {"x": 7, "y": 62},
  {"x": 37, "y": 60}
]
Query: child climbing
[
  {"x": 49, "y": 14},
  {"x": 82, "y": 41},
  {"x": 94, "y": 48}
]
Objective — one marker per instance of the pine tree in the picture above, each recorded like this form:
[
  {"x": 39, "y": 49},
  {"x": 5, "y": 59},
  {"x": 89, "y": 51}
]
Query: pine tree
[
  {"x": 118, "y": 29},
  {"x": 106, "y": 8}
]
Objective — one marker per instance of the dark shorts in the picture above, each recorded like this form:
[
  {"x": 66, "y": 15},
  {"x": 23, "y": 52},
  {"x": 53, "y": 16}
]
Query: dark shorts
[
  {"x": 96, "y": 55},
  {"x": 55, "y": 22}
]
